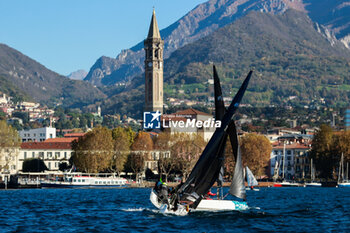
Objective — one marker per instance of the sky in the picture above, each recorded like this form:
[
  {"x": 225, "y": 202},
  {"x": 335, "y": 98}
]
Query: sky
[{"x": 67, "y": 35}]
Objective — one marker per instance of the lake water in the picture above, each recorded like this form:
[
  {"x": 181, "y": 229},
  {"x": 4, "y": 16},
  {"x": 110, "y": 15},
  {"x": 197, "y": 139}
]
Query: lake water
[{"x": 129, "y": 210}]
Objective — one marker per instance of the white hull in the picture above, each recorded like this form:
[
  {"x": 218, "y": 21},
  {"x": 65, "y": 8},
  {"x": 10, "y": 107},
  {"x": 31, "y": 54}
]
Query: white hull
[
  {"x": 221, "y": 205},
  {"x": 204, "y": 205},
  {"x": 254, "y": 189},
  {"x": 313, "y": 184},
  {"x": 344, "y": 185},
  {"x": 163, "y": 208}
]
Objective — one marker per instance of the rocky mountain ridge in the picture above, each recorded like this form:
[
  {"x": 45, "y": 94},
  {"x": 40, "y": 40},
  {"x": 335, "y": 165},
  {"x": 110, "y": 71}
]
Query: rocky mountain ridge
[
  {"x": 296, "y": 62},
  {"x": 210, "y": 16}
]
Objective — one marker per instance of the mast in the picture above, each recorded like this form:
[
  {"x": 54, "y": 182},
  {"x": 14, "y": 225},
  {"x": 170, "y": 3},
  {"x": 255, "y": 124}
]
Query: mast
[
  {"x": 311, "y": 170},
  {"x": 284, "y": 158},
  {"x": 340, "y": 168}
]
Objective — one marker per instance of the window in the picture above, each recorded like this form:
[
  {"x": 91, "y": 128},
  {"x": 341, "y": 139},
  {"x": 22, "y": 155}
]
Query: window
[
  {"x": 50, "y": 135},
  {"x": 41, "y": 155},
  {"x": 74, "y": 180},
  {"x": 65, "y": 155},
  {"x": 57, "y": 154},
  {"x": 96, "y": 182},
  {"x": 49, "y": 165},
  {"x": 25, "y": 155},
  {"x": 49, "y": 154},
  {"x": 289, "y": 152},
  {"x": 33, "y": 154},
  {"x": 79, "y": 180}
]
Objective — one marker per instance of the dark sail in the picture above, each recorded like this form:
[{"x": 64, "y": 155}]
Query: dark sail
[
  {"x": 219, "y": 100},
  {"x": 219, "y": 114},
  {"x": 207, "y": 168}
]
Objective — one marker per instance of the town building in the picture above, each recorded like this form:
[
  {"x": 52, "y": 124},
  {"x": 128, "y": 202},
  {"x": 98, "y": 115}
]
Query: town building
[
  {"x": 37, "y": 135},
  {"x": 289, "y": 157},
  {"x": 52, "y": 153},
  {"x": 154, "y": 46},
  {"x": 153, "y": 158},
  {"x": 8, "y": 161}
]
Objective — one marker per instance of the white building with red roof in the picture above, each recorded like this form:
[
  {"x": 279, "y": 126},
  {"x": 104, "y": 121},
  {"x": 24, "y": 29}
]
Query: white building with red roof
[
  {"x": 52, "y": 152},
  {"x": 291, "y": 158}
]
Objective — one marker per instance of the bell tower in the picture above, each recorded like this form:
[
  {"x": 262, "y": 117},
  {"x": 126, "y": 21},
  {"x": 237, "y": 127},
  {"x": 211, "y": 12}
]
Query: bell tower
[{"x": 154, "y": 46}]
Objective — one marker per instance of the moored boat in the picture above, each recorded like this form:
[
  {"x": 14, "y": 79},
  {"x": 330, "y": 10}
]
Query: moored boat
[
  {"x": 286, "y": 184},
  {"x": 85, "y": 181},
  {"x": 343, "y": 181},
  {"x": 313, "y": 176}
]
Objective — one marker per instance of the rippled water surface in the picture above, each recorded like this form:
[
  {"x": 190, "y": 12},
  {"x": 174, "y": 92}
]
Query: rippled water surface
[{"x": 129, "y": 210}]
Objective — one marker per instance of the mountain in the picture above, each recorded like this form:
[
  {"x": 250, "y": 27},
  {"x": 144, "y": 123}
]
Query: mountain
[
  {"x": 334, "y": 15},
  {"x": 210, "y": 16},
  {"x": 292, "y": 57},
  {"x": 22, "y": 74},
  {"x": 77, "y": 75}
]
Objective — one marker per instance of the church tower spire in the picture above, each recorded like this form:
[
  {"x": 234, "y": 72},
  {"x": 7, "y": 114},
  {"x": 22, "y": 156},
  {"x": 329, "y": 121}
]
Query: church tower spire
[{"x": 154, "y": 46}]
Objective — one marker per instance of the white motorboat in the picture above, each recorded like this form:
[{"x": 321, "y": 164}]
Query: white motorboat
[{"x": 72, "y": 180}]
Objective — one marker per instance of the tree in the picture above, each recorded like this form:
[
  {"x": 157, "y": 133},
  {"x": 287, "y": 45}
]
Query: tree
[
  {"x": 341, "y": 145},
  {"x": 140, "y": 150},
  {"x": 34, "y": 165},
  {"x": 94, "y": 151},
  {"x": 256, "y": 150},
  {"x": 166, "y": 164},
  {"x": 186, "y": 150},
  {"x": 9, "y": 143},
  {"x": 321, "y": 152},
  {"x": 121, "y": 149}
]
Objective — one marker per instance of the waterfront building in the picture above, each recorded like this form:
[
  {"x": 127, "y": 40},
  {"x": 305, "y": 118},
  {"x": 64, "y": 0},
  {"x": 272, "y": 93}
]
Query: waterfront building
[
  {"x": 8, "y": 161},
  {"x": 51, "y": 152},
  {"x": 292, "y": 158},
  {"x": 37, "y": 135},
  {"x": 154, "y": 46},
  {"x": 152, "y": 159}
]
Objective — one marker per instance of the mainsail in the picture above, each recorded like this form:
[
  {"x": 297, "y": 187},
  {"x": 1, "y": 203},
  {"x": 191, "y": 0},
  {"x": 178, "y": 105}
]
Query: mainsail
[
  {"x": 207, "y": 168},
  {"x": 237, "y": 187},
  {"x": 219, "y": 114},
  {"x": 250, "y": 178}
]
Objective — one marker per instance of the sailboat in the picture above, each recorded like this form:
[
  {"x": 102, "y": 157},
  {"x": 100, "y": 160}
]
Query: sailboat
[
  {"x": 343, "y": 180},
  {"x": 190, "y": 194},
  {"x": 313, "y": 176},
  {"x": 251, "y": 181},
  {"x": 284, "y": 182}
]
